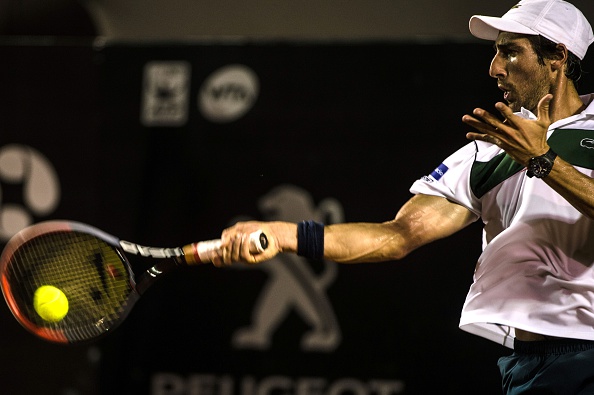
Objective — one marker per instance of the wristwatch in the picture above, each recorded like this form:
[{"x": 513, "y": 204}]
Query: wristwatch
[{"x": 540, "y": 166}]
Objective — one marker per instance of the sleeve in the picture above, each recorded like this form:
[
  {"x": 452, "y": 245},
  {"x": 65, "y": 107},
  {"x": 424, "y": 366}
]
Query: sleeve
[{"x": 451, "y": 179}]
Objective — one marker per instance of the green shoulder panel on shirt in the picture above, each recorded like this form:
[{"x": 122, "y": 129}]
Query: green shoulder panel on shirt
[
  {"x": 575, "y": 146},
  {"x": 484, "y": 176}
]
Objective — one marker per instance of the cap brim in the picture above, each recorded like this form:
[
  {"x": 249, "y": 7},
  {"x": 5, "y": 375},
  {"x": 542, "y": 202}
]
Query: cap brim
[{"x": 488, "y": 27}]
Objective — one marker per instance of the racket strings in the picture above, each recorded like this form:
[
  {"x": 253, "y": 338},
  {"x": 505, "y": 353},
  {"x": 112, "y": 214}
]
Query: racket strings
[{"x": 89, "y": 271}]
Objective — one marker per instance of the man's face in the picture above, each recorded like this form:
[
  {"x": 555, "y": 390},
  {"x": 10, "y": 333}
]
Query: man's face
[{"x": 519, "y": 74}]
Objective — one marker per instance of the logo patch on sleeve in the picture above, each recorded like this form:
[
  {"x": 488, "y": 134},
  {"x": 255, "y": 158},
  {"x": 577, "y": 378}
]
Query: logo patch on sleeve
[{"x": 438, "y": 172}]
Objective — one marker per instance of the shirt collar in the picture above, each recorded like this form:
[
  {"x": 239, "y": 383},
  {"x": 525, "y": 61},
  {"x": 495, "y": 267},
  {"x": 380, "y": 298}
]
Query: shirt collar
[{"x": 588, "y": 111}]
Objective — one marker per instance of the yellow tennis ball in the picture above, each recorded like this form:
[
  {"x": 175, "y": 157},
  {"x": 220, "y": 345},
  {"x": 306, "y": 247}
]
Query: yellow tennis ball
[{"x": 50, "y": 303}]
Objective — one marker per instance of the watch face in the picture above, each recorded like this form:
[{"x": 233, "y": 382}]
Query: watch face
[{"x": 540, "y": 166}]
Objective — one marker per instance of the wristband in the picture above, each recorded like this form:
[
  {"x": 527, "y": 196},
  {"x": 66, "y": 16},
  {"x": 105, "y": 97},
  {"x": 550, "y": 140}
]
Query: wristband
[{"x": 310, "y": 240}]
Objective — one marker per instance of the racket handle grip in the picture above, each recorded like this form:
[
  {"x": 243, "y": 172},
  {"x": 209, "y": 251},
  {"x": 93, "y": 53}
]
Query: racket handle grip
[{"x": 205, "y": 251}]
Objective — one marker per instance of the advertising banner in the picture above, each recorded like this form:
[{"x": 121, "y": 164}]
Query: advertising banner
[{"x": 165, "y": 144}]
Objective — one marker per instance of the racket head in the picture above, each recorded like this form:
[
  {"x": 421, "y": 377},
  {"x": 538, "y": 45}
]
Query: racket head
[{"x": 87, "y": 264}]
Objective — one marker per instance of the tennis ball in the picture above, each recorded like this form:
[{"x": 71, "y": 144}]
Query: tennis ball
[{"x": 50, "y": 303}]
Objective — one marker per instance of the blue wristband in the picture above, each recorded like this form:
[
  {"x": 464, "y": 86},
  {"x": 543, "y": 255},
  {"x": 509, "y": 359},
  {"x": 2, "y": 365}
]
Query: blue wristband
[{"x": 310, "y": 240}]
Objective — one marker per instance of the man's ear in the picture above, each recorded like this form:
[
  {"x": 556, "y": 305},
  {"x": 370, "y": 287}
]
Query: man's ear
[{"x": 560, "y": 58}]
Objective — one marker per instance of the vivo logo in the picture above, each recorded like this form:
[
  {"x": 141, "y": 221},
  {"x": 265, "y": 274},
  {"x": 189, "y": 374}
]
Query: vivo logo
[{"x": 228, "y": 93}]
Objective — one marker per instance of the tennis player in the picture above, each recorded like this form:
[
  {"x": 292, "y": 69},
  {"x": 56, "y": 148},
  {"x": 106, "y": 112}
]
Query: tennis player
[{"x": 527, "y": 174}]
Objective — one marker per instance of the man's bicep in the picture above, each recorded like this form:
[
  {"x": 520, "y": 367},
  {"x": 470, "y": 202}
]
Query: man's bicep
[{"x": 425, "y": 218}]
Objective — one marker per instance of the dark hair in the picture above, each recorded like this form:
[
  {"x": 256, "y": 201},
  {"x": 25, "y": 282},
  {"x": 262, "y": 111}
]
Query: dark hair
[{"x": 547, "y": 49}]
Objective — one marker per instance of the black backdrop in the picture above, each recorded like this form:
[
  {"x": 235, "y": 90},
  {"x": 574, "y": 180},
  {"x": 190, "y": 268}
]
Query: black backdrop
[{"x": 354, "y": 124}]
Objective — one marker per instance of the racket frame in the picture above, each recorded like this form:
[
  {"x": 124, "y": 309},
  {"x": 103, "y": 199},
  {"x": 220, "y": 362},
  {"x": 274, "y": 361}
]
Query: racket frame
[{"x": 146, "y": 279}]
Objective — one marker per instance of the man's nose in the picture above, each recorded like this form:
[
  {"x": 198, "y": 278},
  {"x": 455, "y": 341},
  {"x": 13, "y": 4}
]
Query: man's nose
[{"x": 497, "y": 69}]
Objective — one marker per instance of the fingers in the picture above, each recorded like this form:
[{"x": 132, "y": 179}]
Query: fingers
[
  {"x": 544, "y": 107},
  {"x": 488, "y": 130},
  {"x": 484, "y": 137},
  {"x": 521, "y": 137},
  {"x": 486, "y": 122},
  {"x": 236, "y": 245},
  {"x": 483, "y": 121},
  {"x": 559, "y": 87}
]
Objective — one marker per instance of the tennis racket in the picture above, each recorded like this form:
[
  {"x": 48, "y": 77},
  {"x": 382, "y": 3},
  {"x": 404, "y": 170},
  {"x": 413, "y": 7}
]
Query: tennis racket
[{"x": 93, "y": 270}]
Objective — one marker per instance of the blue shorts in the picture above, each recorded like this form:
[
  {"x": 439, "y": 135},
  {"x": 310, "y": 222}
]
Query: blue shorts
[{"x": 553, "y": 367}]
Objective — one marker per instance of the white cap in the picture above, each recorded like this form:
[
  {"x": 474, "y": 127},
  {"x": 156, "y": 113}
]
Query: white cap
[{"x": 557, "y": 20}]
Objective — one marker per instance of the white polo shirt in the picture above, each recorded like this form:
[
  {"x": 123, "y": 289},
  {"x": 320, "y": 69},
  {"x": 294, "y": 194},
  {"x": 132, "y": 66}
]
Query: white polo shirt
[{"x": 536, "y": 270}]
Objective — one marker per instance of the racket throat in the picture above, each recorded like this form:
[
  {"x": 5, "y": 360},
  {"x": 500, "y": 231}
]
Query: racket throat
[
  {"x": 154, "y": 273},
  {"x": 171, "y": 258}
]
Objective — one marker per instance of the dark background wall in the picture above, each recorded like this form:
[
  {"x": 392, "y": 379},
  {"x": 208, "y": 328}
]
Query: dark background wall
[
  {"x": 336, "y": 130},
  {"x": 307, "y": 19}
]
